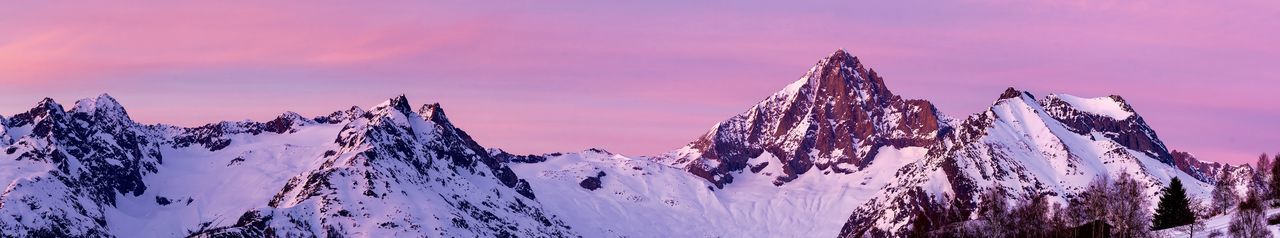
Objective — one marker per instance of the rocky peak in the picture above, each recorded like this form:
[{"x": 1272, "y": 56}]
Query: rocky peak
[
  {"x": 43, "y": 109},
  {"x": 399, "y": 103},
  {"x": 286, "y": 123},
  {"x": 835, "y": 117},
  {"x": 1013, "y": 93},
  {"x": 341, "y": 116},
  {"x": 433, "y": 112},
  {"x": 102, "y": 106}
]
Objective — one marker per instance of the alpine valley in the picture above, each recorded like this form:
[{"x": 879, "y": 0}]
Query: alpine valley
[{"x": 833, "y": 154}]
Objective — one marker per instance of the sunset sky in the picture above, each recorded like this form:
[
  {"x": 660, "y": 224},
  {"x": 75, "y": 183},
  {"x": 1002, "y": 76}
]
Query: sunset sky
[{"x": 645, "y": 77}]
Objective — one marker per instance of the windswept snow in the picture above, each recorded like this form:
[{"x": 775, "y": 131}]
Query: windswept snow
[
  {"x": 641, "y": 198},
  {"x": 198, "y": 184},
  {"x": 1218, "y": 224},
  {"x": 1104, "y": 106}
]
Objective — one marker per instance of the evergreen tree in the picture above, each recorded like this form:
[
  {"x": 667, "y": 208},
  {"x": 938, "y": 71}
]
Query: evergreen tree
[
  {"x": 1275, "y": 179},
  {"x": 1174, "y": 208}
]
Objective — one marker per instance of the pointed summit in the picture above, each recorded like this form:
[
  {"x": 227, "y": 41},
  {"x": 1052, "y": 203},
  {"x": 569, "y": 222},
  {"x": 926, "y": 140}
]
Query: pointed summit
[
  {"x": 835, "y": 118},
  {"x": 841, "y": 56},
  {"x": 1011, "y": 93},
  {"x": 398, "y": 103},
  {"x": 102, "y": 106},
  {"x": 43, "y": 109},
  {"x": 341, "y": 116},
  {"x": 433, "y": 112},
  {"x": 45, "y": 106}
]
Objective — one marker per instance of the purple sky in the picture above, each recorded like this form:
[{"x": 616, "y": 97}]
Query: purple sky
[{"x": 642, "y": 78}]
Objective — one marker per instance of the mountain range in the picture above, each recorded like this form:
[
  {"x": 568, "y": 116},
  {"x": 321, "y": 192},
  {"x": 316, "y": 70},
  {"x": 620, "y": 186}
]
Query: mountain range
[{"x": 833, "y": 154}]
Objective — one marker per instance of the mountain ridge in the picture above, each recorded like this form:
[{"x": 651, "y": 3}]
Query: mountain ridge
[{"x": 834, "y": 153}]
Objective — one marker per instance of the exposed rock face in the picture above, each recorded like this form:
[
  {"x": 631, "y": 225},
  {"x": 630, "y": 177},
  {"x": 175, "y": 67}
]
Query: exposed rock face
[
  {"x": 1132, "y": 132},
  {"x": 1211, "y": 172},
  {"x": 505, "y": 157},
  {"x": 836, "y": 117},
  {"x": 593, "y": 182}
]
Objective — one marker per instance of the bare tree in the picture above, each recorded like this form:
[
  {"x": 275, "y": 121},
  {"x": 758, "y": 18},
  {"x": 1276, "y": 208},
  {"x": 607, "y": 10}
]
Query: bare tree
[
  {"x": 1059, "y": 220},
  {"x": 1197, "y": 223},
  {"x": 994, "y": 209},
  {"x": 1030, "y": 218},
  {"x": 1249, "y": 221},
  {"x": 1262, "y": 176},
  {"x": 1088, "y": 207},
  {"x": 1224, "y": 194},
  {"x": 1127, "y": 208}
]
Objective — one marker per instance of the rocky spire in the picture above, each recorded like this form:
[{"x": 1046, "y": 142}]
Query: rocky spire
[{"x": 834, "y": 118}]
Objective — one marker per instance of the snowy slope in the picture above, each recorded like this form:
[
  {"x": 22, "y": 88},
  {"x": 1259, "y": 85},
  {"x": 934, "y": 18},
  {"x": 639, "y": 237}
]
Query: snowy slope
[
  {"x": 395, "y": 172},
  {"x": 641, "y": 198},
  {"x": 193, "y": 187},
  {"x": 1217, "y": 223},
  {"x": 1023, "y": 148}
]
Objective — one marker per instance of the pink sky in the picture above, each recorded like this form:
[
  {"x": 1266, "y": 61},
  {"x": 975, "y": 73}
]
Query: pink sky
[{"x": 646, "y": 77}]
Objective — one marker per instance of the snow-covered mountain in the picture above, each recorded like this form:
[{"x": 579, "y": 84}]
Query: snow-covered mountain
[
  {"x": 834, "y": 153},
  {"x": 92, "y": 172},
  {"x": 66, "y": 169},
  {"x": 1053, "y": 146}
]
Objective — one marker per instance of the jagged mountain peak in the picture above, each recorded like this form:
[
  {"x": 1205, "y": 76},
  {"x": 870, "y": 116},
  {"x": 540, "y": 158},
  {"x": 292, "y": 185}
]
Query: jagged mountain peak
[
  {"x": 103, "y": 103},
  {"x": 1012, "y": 92},
  {"x": 48, "y": 103},
  {"x": 398, "y": 103},
  {"x": 433, "y": 112},
  {"x": 840, "y": 74},
  {"x": 836, "y": 117},
  {"x": 341, "y": 116},
  {"x": 841, "y": 57},
  {"x": 45, "y": 108}
]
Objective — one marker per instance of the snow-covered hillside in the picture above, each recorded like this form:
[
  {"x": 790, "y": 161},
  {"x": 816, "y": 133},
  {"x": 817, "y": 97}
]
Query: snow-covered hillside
[
  {"x": 1024, "y": 148},
  {"x": 640, "y": 198},
  {"x": 1216, "y": 224}
]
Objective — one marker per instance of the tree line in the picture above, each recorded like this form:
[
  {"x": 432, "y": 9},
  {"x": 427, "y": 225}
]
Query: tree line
[{"x": 1108, "y": 208}]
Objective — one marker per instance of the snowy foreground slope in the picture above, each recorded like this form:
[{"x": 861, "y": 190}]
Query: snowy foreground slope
[
  {"x": 833, "y": 154},
  {"x": 1217, "y": 223},
  {"x": 640, "y": 198}
]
